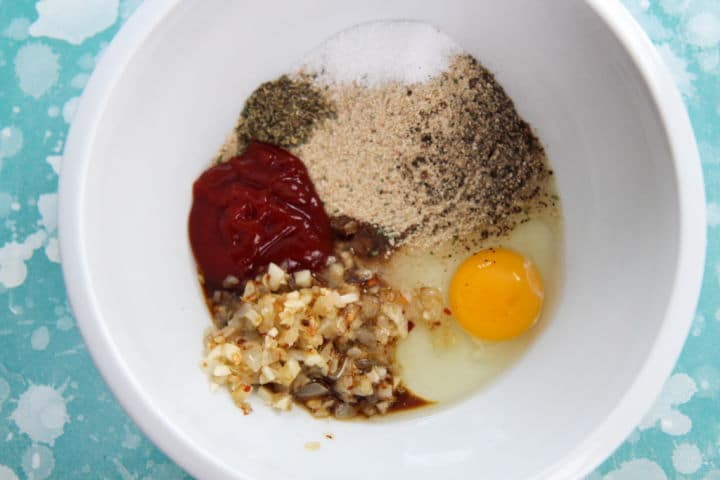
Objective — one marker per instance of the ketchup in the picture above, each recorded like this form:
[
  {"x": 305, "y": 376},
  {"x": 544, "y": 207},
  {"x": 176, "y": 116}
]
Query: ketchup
[{"x": 257, "y": 208}]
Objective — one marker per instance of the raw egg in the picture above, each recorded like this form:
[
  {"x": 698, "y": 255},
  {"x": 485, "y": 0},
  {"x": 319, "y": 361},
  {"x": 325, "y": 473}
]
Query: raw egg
[
  {"x": 448, "y": 371},
  {"x": 496, "y": 294}
]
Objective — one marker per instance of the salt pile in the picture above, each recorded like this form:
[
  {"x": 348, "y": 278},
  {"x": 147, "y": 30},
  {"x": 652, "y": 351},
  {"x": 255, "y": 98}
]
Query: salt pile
[{"x": 379, "y": 53}]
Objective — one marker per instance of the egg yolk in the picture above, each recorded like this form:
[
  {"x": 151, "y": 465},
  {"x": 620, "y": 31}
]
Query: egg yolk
[{"x": 496, "y": 294}]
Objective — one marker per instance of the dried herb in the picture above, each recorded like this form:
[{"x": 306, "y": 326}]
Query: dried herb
[{"x": 283, "y": 112}]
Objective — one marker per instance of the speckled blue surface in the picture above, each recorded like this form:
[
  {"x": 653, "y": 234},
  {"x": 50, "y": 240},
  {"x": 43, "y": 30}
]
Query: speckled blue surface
[{"x": 57, "y": 417}]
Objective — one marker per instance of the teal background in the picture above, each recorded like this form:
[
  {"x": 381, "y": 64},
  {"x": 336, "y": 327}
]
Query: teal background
[{"x": 57, "y": 417}]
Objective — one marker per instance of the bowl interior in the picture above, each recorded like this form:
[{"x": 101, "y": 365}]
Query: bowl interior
[{"x": 569, "y": 77}]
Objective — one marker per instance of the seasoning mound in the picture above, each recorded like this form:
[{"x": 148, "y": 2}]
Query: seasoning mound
[
  {"x": 282, "y": 112},
  {"x": 377, "y": 53},
  {"x": 424, "y": 162}
]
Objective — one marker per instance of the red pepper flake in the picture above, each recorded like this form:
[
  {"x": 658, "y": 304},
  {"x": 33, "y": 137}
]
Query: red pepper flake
[
  {"x": 447, "y": 311},
  {"x": 247, "y": 388},
  {"x": 411, "y": 325}
]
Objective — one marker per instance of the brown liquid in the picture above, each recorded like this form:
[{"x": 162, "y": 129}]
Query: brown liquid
[
  {"x": 404, "y": 400},
  {"x": 407, "y": 400}
]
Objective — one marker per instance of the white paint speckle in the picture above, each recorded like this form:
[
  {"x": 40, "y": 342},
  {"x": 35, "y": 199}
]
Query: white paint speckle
[
  {"x": 163, "y": 471},
  {"x": 64, "y": 323},
  {"x": 40, "y": 338},
  {"x": 679, "y": 68},
  {"x": 679, "y": 389},
  {"x": 698, "y": 325},
  {"x": 86, "y": 61},
  {"x": 13, "y": 256},
  {"x": 80, "y": 80},
  {"x": 11, "y": 141},
  {"x": 73, "y": 20},
  {"x": 675, "y": 423},
  {"x": 37, "y": 67},
  {"x": 674, "y": 7},
  {"x": 686, "y": 458},
  {"x": 47, "y": 206},
  {"x": 650, "y": 23},
  {"x": 52, "y": 250},
  {"x": 41, "y": 413},
  {"x": 6, "y": 473},
  {"x": 18, "y": 29},
  {"x": 54, "y": 161},
  {"x": 53, "y": 111},
  {"x": 709, "y": 152},
  {"x": 637, "y": 469},
  {"x": 707, "y": 378},
  {"x": 703, "y": 30},
  {"x": 132, "y": 440},
  {"x": 709, "y": 60},
  {"x": 712, "y": 475},
  {"x": 15, "y": 207},
  {"x": 38, "y": 462},
  {"x": 69, "y": 109},
  {"x": 122, "y": 470}
]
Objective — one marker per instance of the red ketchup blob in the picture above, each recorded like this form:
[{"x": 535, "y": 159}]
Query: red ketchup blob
[{"x": 257, "y": 208}]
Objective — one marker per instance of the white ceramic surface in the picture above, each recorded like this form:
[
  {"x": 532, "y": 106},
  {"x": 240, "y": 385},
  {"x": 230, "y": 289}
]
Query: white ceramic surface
[{"x": 168, "y": 89}]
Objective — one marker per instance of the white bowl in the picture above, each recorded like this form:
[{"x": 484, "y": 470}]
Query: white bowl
[{"x": 581, "y": 72}]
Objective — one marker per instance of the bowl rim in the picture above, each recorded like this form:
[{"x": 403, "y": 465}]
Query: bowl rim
[{"x": 576, "y": 463}]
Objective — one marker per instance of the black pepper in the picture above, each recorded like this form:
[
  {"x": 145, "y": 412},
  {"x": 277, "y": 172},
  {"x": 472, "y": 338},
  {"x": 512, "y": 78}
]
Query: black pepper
[{"x": 485, "y": 160}]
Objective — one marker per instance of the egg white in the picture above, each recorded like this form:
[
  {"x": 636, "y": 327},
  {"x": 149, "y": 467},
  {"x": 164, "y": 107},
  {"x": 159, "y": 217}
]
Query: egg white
[{"x": 446, "y": 373}]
